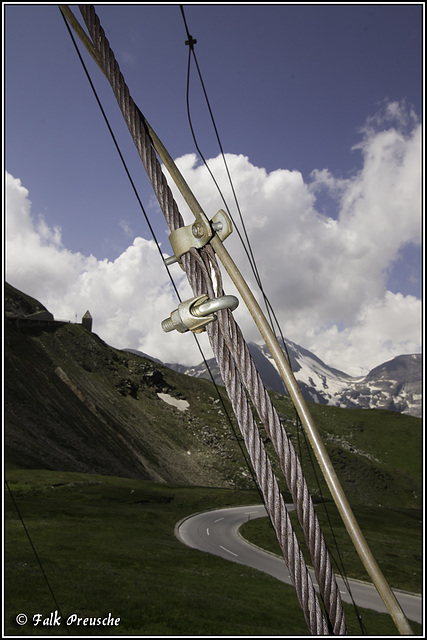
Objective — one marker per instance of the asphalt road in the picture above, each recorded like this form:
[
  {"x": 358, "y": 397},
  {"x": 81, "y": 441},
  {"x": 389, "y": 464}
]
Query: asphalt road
[{"x": 217, "y": 532}]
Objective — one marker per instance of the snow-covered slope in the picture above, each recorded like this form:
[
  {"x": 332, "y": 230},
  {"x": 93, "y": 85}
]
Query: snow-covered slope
[{"x": 395, "y": 385}]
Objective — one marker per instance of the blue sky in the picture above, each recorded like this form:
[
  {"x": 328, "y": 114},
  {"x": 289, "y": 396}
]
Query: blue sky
[{"x": 318, "y": 107}]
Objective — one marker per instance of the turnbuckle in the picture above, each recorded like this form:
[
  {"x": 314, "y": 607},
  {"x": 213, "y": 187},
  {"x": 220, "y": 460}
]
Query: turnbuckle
[{"x": 196, "y": 313}]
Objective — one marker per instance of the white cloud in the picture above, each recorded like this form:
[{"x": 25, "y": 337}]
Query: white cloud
[
  {"x": 128, "y": 298},
  {"x": 325, "y": 276},
  {"x": 383, "y": 329},
  {"x": 321, "y": 272},
  {"x": 126, "y": 228}
]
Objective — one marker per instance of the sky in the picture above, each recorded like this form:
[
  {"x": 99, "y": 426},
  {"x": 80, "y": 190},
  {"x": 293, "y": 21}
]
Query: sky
[{"x": 319, "y": 112}]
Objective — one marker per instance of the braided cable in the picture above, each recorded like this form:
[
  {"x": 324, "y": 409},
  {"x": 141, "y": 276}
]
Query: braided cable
[
  {"x": 201, "y": 280},
  {"x": 291, "y": 468},
  {"x": 233, "y": 342},
  {"x": 237, "y": 367},
  {"x": 270, "y": 489}
]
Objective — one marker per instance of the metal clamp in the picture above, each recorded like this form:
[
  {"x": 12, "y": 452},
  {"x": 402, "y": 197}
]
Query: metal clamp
[
  {"x": 198, "y": 234},
  {"x": 196, "y": 313}
]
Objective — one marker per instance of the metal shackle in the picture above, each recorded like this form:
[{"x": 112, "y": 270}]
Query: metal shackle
[
  {"x": 216, "y": 304},
  {"x": 196, "y": 313}
]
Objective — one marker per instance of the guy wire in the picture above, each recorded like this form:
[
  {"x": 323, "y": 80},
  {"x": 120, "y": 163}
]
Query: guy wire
[
  {"x": 160, "y": 251},
  {"x": 39, "y": 562},
  {"x": 190, "y": 42},
  {"x": 247, "y": 247}
]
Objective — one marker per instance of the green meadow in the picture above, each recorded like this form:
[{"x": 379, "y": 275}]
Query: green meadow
[{"x": 104, "y": 545}]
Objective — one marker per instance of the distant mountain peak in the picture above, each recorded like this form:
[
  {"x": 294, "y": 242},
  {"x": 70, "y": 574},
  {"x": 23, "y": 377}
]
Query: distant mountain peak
[{"x": 394, "y": 385}]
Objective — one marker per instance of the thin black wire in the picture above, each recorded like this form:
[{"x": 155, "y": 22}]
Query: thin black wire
[
  {"x": 248, "y": 249},
  {"x": 27, "y": 533},
  {"x": 191, "y": 43},
  {"x": 159, "y": 249},
  {"x": 236, "y": 435},
  {"x": 247, "y": 246},
  {"x": 339, "y": 562},
  {"x": 120, "y": 154},
  {"x": 191, "y": 53}
]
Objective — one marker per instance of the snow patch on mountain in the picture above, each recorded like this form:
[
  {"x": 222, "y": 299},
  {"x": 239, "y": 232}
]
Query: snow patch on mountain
[
  {"x": 181, "y": 405},
  {"x": 395, "y": 385}
]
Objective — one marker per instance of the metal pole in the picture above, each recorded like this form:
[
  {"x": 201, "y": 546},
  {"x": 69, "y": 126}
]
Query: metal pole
[{"x": 316, "y": 442}]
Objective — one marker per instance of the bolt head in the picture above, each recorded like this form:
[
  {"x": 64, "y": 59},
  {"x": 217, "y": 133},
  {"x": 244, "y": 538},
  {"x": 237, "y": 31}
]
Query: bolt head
[{"x": 198, "y": 230}]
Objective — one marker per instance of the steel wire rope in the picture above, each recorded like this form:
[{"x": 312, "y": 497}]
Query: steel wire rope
[
  {"x": 154, "y": 177},
  {"x": 340, "y": 561},
  {"x": 104, "y": 115},
  {"x": 191, "y": 42},
  {"x": 32, "y": 545},
  {"x": 291, "y": 469},
  {"x": 273, "y": 499},
  {"x": 143, "y": 136},
  {"x": 139, "y": 131}
]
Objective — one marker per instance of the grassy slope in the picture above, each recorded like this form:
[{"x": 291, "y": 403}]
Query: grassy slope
[
  {"x": 107, "y": 545},
  {"x": 103, "y": 545},
  {"x": 377, "y": 454},
  {"x": 108, "y": 418}
]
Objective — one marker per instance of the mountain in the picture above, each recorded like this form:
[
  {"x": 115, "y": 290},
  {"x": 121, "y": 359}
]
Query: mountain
[
  {"x": 395, "y": 385},
  {"x": 73, "y": 403},
  {"x": 20, "y": 305}
]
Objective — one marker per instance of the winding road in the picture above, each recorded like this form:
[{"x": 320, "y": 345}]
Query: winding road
[{"x": 217, "y": 532}]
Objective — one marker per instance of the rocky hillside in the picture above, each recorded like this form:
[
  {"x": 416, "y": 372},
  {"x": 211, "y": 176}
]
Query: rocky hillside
[
  {"x": 73, "y": 403},
  {"x": 20, "y": 305}
]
